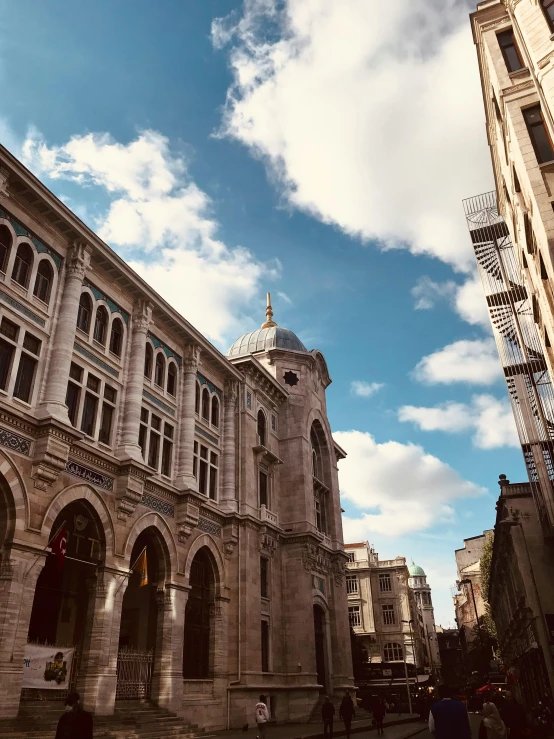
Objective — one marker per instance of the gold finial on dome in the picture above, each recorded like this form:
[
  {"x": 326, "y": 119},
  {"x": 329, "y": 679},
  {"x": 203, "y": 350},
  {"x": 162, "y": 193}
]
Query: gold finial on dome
[{"x": 269, "y": 323}]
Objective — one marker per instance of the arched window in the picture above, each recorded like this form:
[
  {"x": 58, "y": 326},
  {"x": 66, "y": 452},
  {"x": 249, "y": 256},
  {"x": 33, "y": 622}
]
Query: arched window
[
  {"x": 22, "y": 265},
  {"x": 317, "y": 461},
  {"x": 43, "y": 281},
  {"x": 116, "y": 337},
  {"x": 198, "y": 631},
  {"x": 393, "y": 652},
  {"x": 85, "y": 311},
  {"x": 261, "y": 428},
  {"x": 215, "y": 412},
  {"x": 148, "y": 359},
  {"x": 197, "y": 398},
  {"x": 5, "y": 246},
  {"x": 206, "y": 404},
  {"x": 159, "y": 372},
  {"x": 101, "y": 325},
  {"x": 171, "y": 379}
]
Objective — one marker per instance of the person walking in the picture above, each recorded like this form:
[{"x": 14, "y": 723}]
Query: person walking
[
  {"x": 262, "y": 716},
  {"x": 346, "y": 712},
  {"x": 448, "y": 718},
  {"x": 492, "y": 726},
  {"x": 379, "y": 712},
  {"x": 327, "y": 714},
  {"x": 75, "y": 723},
  {"x": 513, "y": 715}
]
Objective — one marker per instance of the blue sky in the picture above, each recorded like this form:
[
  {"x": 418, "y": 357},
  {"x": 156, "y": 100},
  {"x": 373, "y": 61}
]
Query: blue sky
[{"x": 319, "y": 150}]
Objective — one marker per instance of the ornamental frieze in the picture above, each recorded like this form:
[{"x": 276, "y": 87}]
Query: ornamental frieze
[{"x": 316, "y": 559}]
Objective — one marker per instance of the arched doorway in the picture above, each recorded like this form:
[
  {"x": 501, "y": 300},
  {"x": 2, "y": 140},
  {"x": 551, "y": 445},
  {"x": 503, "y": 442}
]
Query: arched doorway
[
  {"x": 319, "y": 634},
  {"x": 139, "y": 617},
  {"x": 199, "y": 636},
  {"x": 60, "y": 604}
]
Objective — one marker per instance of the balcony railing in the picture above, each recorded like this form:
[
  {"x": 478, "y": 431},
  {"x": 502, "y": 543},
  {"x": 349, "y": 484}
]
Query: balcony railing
[{"x": 268, "y": 516}]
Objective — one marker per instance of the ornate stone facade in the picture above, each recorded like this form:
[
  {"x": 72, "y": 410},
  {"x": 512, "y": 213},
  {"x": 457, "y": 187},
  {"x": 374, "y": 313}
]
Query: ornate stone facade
[{"x": 197, "y": 495}]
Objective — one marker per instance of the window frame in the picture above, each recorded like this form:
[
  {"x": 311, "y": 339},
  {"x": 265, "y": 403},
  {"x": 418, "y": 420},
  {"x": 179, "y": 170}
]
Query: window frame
[
  {"x": 384, "y": 577},
  {"x": 354, "y": 615},
  {"x": 264, "y": 578},
  {"x": 19, "y": 261},
  {"x": 101, "y": 336},
  {"x": 505, "y": 47},
  {"x": 148, "y": 361},
  {"x": 84, "y": 326},
  {"x": 7, "y": 246},
  {"x": 261, "y": 427},
  {"x": 526, "y": 112},
  {"x": 113, "y": 348},
  {"x": 393, "y": 652},
  {"x": 157, "y": 441},
  {"x": 159, "y": 370},
  {"x": 390, "y": 619},
  {"x": 105, "y": 403},
  {"x": 352, "y": 579},
  {"x": 206, "y": 473},
  {"x": 19, "y": 354},
  {"x": 43, "y": 281},
  {"x": 545, "y": 5}
]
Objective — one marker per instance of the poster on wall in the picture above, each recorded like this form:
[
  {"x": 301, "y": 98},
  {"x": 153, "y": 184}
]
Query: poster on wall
[{"x": 47, "y": 668}]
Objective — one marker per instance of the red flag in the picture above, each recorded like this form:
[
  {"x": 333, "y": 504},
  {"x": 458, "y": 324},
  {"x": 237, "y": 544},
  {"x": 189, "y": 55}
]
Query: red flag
[{"x": 59, "y": 547}]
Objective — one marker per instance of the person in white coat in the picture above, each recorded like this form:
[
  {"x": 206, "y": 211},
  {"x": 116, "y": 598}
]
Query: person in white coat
[{"x": 262, "y": 716}]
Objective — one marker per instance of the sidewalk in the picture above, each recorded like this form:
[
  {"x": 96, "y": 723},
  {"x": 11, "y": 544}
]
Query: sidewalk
[{"x": 405, "y": 722}]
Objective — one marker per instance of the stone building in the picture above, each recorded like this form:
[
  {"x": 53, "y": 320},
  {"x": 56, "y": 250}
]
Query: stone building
[
  {"x": 426, "y": 612},
  {"x": 127, "y": 434},
  {"x": 382, "y": 607},
  {"x": 450, "y": 649},
  {"x": 521, "y": 596}
]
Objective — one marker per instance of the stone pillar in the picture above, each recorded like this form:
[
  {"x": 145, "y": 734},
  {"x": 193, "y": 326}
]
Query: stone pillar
[
  {"x": 167, "y": 677},
  {"x": 18, "y": 577},
  {"x": 129, "y": 447},
  {"x": 185, "y": 478},
  {"x": 228, "y": 500},
  {"x": 53, "y": 402},
  {"x": 97, "y": 677}
]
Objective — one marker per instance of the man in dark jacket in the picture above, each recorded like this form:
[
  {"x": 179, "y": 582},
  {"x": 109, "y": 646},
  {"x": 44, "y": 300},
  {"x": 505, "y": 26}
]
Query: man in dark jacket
[
  {"x": 327, "y": 713},
  {"x": 346, "y": 712},
  {"x": 75, "y": 722},
  {"x": 448, "y": 718},
  {"x": 513, "y": 715}
]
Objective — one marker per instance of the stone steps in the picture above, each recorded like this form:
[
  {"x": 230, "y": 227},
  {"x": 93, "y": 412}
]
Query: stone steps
[{"x": 131, "y": 720}]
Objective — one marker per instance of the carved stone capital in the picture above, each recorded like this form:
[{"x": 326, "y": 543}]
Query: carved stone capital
[
  {"x": 187, "y": 516},
  {"x": 268, "y": 542},
  {"x": 230, "y": 393},
  {"x": 191, "y": 358},
  {"x": 129, "y": 489},
  {"x": 51, "y": 452},
  {"x": 142, "y": 316},
  {"x": 78, "y": 260},
  {"x": 230, "y": 539}
]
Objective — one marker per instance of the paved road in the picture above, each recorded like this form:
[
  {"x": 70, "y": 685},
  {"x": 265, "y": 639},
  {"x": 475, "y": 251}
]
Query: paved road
[{"x": 403, "y": 732}]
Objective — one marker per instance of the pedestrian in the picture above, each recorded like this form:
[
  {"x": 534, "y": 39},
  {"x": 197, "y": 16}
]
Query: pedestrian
[
  {"x": 448, "y": 718},
  {"x": 327, "y": 714},
  {"x": 262, "y": 716},
  {"x": 75, "y": 723},
  {"x": 492, "y": 726},
  {"x": 379, "y": 712},
  {"x": 423, "y": 707},
  {"x": 513, "y": 715},
  {"x": 346, "y": 712}
]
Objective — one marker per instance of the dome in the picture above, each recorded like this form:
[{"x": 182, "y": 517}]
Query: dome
[
  {"x": 263, "y": 339},
  {"x": 416, "y": 571},
  {"x": 269, "y": 336}
]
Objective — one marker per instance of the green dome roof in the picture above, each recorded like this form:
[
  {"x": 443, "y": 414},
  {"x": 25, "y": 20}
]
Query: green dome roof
[{"x": 416, "y": 571}]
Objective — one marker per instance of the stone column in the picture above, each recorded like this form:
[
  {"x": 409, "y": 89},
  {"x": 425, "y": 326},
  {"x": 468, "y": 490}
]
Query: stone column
[
  {"x": 167, "y": 677},
  {"x": 228, "y": 493},
  {"x": 53, "y": 402},
  {"x": 18, "y": 577},
  {"x": 185, "y": 478},
  {"x": 129, "y": 447},
  {"x": 97, "y": 677}
]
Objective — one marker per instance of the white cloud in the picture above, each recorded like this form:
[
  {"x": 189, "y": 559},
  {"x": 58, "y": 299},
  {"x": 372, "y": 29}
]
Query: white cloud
[
  {"x": 467, "y": 299},
  {"x": 427, "y": 292},
  {"x": 365, "y": 389},
  {"x": 491, "y": 420},
  {"x": 398, "y": 487},
  {"x": 284, "y": 297},
  {"x": 369, "y": 120},
  {"x": 472, "y": 361},
  {"x": 161, "y": 221}
]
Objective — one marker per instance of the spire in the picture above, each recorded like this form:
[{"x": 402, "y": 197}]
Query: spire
[{"x": 269, "y": 322}]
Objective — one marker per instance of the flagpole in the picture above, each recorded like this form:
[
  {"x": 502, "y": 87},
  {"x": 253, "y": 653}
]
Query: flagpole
[{"x": 131, "y": 569}]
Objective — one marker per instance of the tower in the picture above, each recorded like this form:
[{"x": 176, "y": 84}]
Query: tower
[{"x": 422, "y": 592}]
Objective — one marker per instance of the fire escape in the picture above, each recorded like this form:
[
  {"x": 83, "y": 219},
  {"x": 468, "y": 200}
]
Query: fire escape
[{"x": 519, "y": 347}]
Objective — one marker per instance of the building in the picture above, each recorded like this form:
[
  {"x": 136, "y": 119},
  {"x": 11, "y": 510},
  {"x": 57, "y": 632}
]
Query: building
[
  {"x": 382, "y": 608},
  {"x": 450, "y": 650},
  {"x": 424, "y": 606},
  {"x": 521, "y": 597},
  {"x": 191, "y": 499}
]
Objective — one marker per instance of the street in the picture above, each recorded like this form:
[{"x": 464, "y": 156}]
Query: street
[{"x": 420, "y": 731}]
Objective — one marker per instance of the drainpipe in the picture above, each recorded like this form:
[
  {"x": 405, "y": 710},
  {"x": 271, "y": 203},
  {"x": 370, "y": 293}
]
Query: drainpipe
[{"x": 239, "y": 654}]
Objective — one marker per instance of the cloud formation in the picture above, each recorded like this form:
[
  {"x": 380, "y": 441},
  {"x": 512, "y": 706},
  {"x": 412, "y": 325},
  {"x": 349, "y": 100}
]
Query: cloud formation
[
  {"x": 399, "y": 488},
  {"x": 471, "y": 361},
  {"x": 491, "y": 420},
  {"x": 467, "y": 299},
  {"x": 160, "y": 220},
  {"x": 365, "y": 389},
  {"x": 321, "y": 94}
]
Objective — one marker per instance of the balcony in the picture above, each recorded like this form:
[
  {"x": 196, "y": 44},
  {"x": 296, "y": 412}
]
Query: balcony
[{"x": 268, "y": 516}]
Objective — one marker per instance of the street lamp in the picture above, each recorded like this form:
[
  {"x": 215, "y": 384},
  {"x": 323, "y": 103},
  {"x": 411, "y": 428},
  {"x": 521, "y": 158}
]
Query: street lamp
[{"x": 467, "y": 581}]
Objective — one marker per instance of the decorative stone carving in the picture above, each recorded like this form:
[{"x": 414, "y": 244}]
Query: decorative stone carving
[
  {"x": 129, "y": 489},
  {"x": 339, "y": 570},
  {"x": 4, "y": 177},
  {"x": 230, "y": 538},
  {"x": 315, "y": 559},
  {"x": 187, "y": 517},
  {"x": 51, "y": 452},
  {"x": 78, "y": 260},
  {"x": 231, "y": 391},
  {"x": 142, "y": 316},
  {"x": 191, "y": 358},
  {"x": 268, "y": 542}
]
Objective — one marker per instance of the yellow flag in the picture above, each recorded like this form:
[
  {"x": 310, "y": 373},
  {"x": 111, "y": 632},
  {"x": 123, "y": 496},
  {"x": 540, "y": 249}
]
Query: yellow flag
[{"x": 141, "y": 567}]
